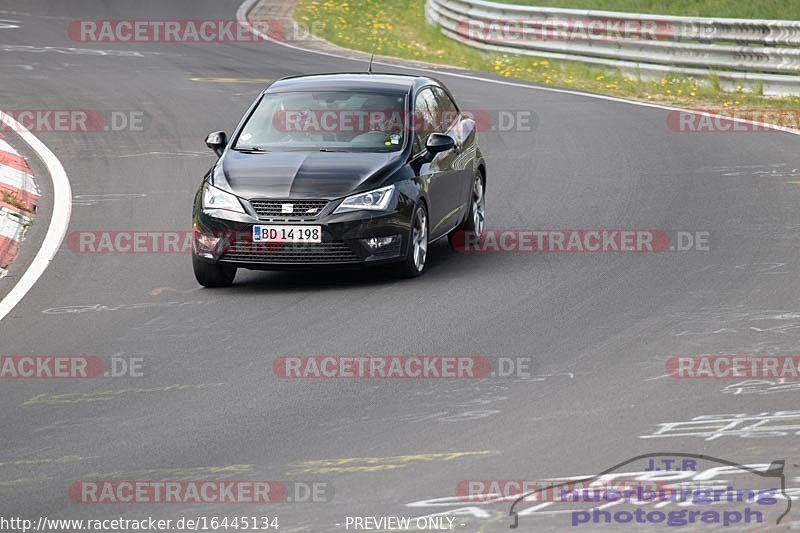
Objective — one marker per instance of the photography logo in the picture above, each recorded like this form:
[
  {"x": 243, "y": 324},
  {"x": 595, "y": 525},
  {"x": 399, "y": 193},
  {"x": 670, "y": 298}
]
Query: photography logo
[{"x": 697, "y": 486}]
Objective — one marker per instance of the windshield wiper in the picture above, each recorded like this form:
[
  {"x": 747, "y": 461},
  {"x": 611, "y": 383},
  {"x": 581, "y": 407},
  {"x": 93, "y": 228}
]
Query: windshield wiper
[
  {"x": 329, "y": 150},
  {"x": 250, "y": 149}
]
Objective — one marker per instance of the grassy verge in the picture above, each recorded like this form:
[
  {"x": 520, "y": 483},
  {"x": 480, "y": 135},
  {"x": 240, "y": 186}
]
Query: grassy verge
[
  {"x": 12, "y": 200},
  {"x": 398, "y": 29},
  {"x": 760, "y": 9}
]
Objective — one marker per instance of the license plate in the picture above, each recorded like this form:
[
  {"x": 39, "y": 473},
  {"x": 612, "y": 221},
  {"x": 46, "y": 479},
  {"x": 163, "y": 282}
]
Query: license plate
[{"x": 287, "y": 233}]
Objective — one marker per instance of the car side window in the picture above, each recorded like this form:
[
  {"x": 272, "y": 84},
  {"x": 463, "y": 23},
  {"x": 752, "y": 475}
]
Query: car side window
[
  {"x": 447, "y": 109},
  {"x": 426, "y": 113}
]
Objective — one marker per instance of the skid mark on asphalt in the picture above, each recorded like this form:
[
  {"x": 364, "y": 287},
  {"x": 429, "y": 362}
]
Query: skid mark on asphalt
[
  {"x": 78, "y": 423},
  {"x": 29, "y": 462},
  {"x": 704, "y": 323},
  {"x": 713, "y": 427},
  {"x": 761, "y": 386},
  {"x": 73, "y": 309},
  {"x": 775, "y": 170},
  {"x": 185, "y": 153},
  {"x": 158, "y": 290},
  {"x": 23, "y": 481},
  {"x": 751, "y": 268},
  {"x": 108, "y": 395},
  {"x": 374, "y": 464},
  {"x": 94, "y": 199},
  {"x": 177, "y": 474},
  {"x": 66, "y": 50}
]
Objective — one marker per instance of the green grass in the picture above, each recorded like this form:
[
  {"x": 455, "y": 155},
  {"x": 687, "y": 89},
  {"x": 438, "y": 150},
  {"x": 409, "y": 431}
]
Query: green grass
[
  {"x": 399, "y": 29},
  {"x": 749, "y": 9},
  {"x": 11, "y": 200}
]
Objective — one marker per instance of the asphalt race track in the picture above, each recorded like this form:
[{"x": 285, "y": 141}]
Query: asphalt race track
[{"x": 598, "y": 327}]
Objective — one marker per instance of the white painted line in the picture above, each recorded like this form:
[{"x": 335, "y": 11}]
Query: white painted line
[
  {"x": 247, "y": 5},
  {"x": 658, "y": 377},
  {"x": 59, "y": 221}
]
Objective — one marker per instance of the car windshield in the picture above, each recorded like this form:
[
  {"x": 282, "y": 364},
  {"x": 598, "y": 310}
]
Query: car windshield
[{"x": 346, "y": 121}]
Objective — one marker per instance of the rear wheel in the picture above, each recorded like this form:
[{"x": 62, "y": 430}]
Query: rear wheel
[
  {"x": 213, "y": 274},
  {"x": 477, "y": 213},
  {"x": 414, "y": 263}
]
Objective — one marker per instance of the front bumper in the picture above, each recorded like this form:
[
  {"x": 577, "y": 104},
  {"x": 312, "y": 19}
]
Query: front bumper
[{"x": 343, "y": 240}]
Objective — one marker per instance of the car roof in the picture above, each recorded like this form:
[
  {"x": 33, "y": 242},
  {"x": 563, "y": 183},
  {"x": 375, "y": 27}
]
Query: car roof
[{"x": 352, "y": 81}]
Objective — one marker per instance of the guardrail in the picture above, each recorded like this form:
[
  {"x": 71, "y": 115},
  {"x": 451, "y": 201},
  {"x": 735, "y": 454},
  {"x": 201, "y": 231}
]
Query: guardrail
[{"x": 738, "y": 51}]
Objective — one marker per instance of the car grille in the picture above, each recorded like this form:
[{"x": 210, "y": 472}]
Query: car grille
[
  {"x": 301, "y": 209},
  {"x": 326, "y": 252}
]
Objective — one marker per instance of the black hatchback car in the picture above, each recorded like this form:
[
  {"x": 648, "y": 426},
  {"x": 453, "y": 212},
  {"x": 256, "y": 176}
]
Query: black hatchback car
[{"x": 339, "y": 170}]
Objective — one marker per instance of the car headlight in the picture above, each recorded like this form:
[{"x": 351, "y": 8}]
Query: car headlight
[
  {"x": 377, "y": 200},
  {"x": 214, "y": 198}
]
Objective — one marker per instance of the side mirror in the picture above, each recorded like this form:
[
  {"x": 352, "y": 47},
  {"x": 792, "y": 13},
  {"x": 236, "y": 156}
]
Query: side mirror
[
  {"x": 217, "y": 141},
  {"x": 439, "y": 142}
]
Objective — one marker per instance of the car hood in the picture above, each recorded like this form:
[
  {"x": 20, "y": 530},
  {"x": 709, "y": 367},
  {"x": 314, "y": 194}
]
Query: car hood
[{"x": 298, "y": 175}]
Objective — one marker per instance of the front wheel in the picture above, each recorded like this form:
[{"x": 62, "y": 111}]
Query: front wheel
[
  {"x": 414, "y": 263},
  {"x": 213, "y": 275},
  {"x": 477, "y": 214},
  {"x": 475, "y": 219}
]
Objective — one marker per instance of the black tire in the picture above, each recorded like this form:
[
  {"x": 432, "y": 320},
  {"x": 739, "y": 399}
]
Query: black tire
[
  {"x": 213, "y": 275},
  {"x": 410, "y": 266},
  {"x": 477, "y": 202}
]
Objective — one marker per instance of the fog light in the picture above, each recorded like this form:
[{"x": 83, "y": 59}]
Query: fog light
[
  {"x": 205, "y": 244},
  {"x": 379, "y": 243}
]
